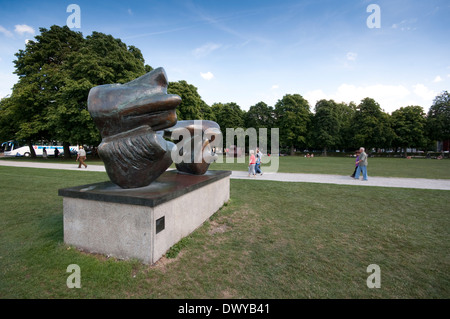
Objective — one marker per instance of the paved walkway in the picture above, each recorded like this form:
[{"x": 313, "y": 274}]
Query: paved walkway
[{"x": 421, "y": 183}]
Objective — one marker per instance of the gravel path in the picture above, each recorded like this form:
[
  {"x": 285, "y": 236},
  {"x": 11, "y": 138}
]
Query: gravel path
[{"x": 420, "y": 183}]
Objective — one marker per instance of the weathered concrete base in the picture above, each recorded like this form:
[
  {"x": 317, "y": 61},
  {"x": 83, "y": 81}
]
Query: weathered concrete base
[{"x": 141, "y": 223}]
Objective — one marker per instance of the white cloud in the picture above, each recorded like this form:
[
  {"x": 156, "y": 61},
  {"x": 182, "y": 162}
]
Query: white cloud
[
  {"x": 23, "y": 28},
  {"x": 7, "y": 81},
  {"x": 275, "y": 87},
  {"x": 351, "y": 56},
  {"x": 423, "y": 92},
  {"x": 5, "y": 32},
  {"x": 390, "y": 97},
  {"x": 313, "y": 96},
  {"x": 207, "y": 76},
  {"x": 437, "y": 79},
  {"x": 405, "y": 25},
  {"x": 205, "y": 50},
  {"x": 347, "y": 91}
]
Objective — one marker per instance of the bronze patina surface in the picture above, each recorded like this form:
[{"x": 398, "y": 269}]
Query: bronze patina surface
[{"x": 133, "y": 119}]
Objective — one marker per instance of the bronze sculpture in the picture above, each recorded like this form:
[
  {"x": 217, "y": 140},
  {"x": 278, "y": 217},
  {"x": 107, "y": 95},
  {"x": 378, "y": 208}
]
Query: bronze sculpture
[
  {"x": 193, "y": 151},
  {"x": 133, "y": 119}
]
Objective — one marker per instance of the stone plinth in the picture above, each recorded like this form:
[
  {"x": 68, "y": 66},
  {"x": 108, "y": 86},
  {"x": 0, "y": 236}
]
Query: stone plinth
[{"x": 141, "y": 223}]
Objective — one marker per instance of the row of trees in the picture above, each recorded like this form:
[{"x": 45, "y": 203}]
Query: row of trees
[
  {"x": 333, "y": 125},
  {"x": 57, "y": 70}
]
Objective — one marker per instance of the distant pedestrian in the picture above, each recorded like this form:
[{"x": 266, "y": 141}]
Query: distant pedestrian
[
  {"x": 44, "y": 153},
  {"x": 252, "y": 163},
  {"x": 56, "y": 152},
  {"x": 362, "y": 164},
  {"x": 356, "y": 163},
  {"x": 81, "y": 157},
  {"x": 258, "y": 162}
]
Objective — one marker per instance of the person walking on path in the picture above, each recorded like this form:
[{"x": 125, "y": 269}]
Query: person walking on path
[
  {"x": 258, "y": 162},
  {"x": 356, "y": 163},
  {"x": 81, "y": 157},
  {"x": 44, "y": 153},
  {"x": 252, "y": 163},
  {"x": 362, "y": 164}
]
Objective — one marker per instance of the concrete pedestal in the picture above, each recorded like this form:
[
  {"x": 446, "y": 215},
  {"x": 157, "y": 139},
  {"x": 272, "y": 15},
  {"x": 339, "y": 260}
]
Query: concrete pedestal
[{"x": 141, "y": 223}]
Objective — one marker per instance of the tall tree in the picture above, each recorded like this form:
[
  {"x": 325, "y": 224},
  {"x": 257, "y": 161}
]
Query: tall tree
[
  {"x": 228, "y": 115},
  {"x": 191, "y": 102},
  {"x": 409, "y": 124},
  {"x": 260, "y": 115},
  {"x": 39, "y": 68},
  {"x": 207, "y": 112},
  {"x": 438, "y": 119},
  {"x": 371, "y": 125},
  {"x": 7, "y": 119},
  {"x": 56, "y": 72},
  {"x": 292, "y": 117},
  {"x": 326, "y": 125},
  {"x": 346, "y": 112}
]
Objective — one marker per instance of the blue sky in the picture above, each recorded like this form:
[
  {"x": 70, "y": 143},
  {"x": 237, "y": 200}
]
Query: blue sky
[{"x": 250, "y": 51}]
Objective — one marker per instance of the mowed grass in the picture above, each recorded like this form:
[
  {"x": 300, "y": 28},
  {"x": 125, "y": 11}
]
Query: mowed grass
[
  {"x": 386, "y": 167},
  {"x": 52, "y": 160},
  {"x": 272, "y": 240}
]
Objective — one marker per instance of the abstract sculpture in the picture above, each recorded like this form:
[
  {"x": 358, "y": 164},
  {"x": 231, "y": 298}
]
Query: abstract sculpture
[
  {"x": 133, "y": 119},
  {"x": 193, "y": 152}
]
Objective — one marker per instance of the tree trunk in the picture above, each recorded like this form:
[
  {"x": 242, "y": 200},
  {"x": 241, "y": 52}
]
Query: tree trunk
[
  {"x": 325, "y": 151},
  {"x": 292, "y": 150},
  {"x": 67, "y": 154},
  {"x": 32, "y": 152},
  {"x": 406, "y": 153}
]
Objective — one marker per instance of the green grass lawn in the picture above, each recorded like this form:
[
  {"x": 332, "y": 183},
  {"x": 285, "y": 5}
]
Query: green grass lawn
[
  {"x": 272, "y": 240},
  {"x": 60, "y": 160},
  {"x": 387, "y": 167}
]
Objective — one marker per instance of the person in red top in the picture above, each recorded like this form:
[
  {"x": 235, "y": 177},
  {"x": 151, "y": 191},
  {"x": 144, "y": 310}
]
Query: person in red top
[
  {"x": 251, "y": 166},
  {"x": 356, "y": 163}
]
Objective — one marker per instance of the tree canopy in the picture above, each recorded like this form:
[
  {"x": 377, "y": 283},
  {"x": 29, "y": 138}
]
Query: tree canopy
[
  {"x": 439, "y": 117},
  {"x": 408, "y": 124},
  {"x": 228, "y": 115},
  {"x": 56, "y": 72},
  {"x": 260, "y": 115},
  {"x": 371, "y": 125},
  {"x": 191, "y": 107},
  {"x": 292, "y": 117},
  {"x": 326, "y": 125}
]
